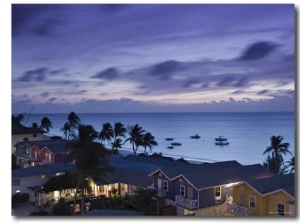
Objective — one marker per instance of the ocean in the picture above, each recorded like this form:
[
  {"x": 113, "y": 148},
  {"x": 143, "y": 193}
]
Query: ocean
[{"x": 248, "y": 134}]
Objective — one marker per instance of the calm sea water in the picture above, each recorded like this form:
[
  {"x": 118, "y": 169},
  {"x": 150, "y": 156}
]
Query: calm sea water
[{"x": 248, "y": 133}]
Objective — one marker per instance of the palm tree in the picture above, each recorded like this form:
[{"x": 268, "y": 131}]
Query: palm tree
[
  {"x": 277, "y": 148},
  {"x": 148, "y": 141},
  {"x": 73, "y": 120},
  {"x": 46, "y": 124},
  {"x": 136, "y": 134},
  {"x": 119, "y": 130},
  {"x": 275, "y": 165},
  {"x": 18, "y": 119},
  {"x": 106, "y": 133},
  {"x": 291, "y": 164},
  {"x": 115, "y": 145},
  {"x": 67, "y": 130},
  {"x": 91, "y": 159}
]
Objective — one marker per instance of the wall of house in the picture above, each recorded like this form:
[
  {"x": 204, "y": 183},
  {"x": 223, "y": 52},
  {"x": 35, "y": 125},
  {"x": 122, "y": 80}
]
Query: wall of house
[
  {"x": 276, "y": 198},
  {"x": 170, "y": 192},
  {"x": 261, "y": 202},
  {"x": 19, "y": 138},
  {"x": 28, "y": 181}
]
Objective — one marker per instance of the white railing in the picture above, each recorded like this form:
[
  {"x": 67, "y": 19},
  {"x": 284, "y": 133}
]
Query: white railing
[
  {"x": 239, "y": 210},
  {"x": 186, "y": 203}
]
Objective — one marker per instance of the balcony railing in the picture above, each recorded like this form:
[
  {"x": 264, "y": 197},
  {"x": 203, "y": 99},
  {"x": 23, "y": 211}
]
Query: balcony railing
[
  {"x": 186, "y": 203},
  {"x": 238, "y": 209}
]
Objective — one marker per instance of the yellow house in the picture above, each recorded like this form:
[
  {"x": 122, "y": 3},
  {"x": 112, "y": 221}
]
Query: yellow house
[{"x": 270, "y": 196}]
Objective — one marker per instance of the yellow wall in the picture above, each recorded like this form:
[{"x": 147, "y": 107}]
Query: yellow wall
[
  {"x": 265, "y": 205},
  {"x": 279, "y": 197}
]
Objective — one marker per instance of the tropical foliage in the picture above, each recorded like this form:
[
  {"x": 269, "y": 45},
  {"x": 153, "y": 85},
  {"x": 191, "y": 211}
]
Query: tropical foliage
[
  {"x": 71, "y": 125},
  {"x": 91, "y": 159},
  {"x": 46, "y": 124},
  {"x": 14, "y": 164},
  {"x": 136, "y": 134},
  {"x": 275, "y": 162},
  {"x": 291, "y": 164}
]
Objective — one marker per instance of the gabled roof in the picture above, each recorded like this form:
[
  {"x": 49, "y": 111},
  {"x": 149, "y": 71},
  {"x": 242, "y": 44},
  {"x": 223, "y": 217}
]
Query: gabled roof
[
  {"x": 55, "y": 145},
  {"x": 18, "y": 130},
  {"x": 271, "y": 184},
  {"x": 221, "y": 176},
  {"x": 172, "y": 172},
  {"x": 43, "y": 170},
  {"x": 129, "y": 171}
]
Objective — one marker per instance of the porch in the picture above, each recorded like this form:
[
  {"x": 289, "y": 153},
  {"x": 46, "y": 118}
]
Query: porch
[{"x": 186, "y": 203}]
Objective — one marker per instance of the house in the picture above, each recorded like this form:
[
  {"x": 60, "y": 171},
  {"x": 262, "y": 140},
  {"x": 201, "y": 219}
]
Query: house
[
  {"x": 270, "y": 196},
  {"x": 44, "y": 152},
  {"x": 31, "y": 179},
  {"x": 21, "y": 133},
  {"x": 130, "y": 173},
  {"x": 203, "y": 189}
]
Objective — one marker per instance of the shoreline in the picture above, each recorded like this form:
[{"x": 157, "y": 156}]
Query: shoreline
[{"x": 125, "y": 153}]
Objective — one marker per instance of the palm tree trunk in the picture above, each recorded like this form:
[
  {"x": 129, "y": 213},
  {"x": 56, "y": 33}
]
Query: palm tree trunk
[
  {"x": 75, "y": 196},
  {"x": 82, "y": 197}
]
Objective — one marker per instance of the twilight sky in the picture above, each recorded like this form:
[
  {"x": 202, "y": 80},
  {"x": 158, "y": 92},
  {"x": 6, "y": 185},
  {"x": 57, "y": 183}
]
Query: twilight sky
[{"x": 152, "y": 57}]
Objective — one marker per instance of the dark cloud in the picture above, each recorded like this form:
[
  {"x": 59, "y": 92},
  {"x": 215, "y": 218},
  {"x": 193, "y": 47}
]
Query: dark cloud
[
  {"x": 111, "y": 8},
  {"x": 52, "y": 99},
  {"x": 230, "y": 81},
  {"x": 37, "y": 75},
  {"x": 24, "y": 19},
  {"x": 165, "y": 69},
  {"x": 45, "y": 94},
  {"x": 205, "y": 85},
  {"x": 262, "y": 92},
  {"x": 45, "y": 27},
  {"x": 227, "y": 81},
  {"x": 108, "y": 74},
  {"x": 190, "y": 82},
  {"x": 238, "y": 92},
  {"x": 258, "y": 50},
  {"x": 241, "y": 82}
]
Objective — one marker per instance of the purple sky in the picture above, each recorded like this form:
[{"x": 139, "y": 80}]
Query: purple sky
[{"x": 152, "y": 58}]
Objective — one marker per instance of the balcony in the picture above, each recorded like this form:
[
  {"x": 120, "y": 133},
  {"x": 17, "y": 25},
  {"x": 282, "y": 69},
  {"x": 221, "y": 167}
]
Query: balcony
[
  {"x": 186, "y": 203},
  {"x": 238, "y": 209}
]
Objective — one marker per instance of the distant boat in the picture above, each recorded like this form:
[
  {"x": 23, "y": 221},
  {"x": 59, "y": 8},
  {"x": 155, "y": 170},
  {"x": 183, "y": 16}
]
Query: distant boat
[
  {"x": 170, "y": 147},
  {"x": 169, "y": 139},
  {"x": 221, "y": 138},
  {"x": 222, "y": 143},
  {"x": 196, "y": 136},
  {"x": 175, "y": 143}
]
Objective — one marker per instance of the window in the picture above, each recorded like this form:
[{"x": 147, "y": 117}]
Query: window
[
  {"x": 165, "y": 187},
  {"x": 15, "y": 182},
  {"x": 252, "y": 201},
  {"x": 217, "y": 192},
  {"x": 280, "y": 209},
  {"x": 182, "y": 190}
]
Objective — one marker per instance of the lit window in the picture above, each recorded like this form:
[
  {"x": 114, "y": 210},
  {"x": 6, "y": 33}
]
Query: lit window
[
  {"x": 280, "y": 209},
  {"x": 182, "y": 190},
  {"x": 165, "y": 185},
  {"x": 252, "y": 201}
]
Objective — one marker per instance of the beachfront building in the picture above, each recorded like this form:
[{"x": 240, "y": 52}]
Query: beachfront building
[
  {"x": 204, "y": 189},
  {"x": 21, "y": 133},
  {"x": 30, "y": 153},
  {"x": 270, "y": 196},
  {"x": 31, "y": 180}
]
